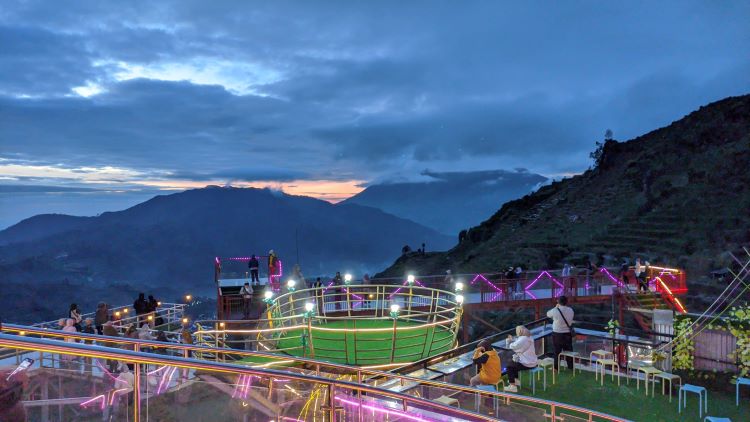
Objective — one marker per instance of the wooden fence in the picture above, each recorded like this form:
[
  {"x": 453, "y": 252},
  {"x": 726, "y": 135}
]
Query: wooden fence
[{"x": 713, "y": 349}]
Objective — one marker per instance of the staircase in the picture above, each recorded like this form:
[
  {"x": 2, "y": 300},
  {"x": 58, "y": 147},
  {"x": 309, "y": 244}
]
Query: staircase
[{"x": 642, "y": 305}]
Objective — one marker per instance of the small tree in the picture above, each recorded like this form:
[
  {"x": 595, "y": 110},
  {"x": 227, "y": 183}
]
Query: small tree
[{"x": 598, "y": 154}]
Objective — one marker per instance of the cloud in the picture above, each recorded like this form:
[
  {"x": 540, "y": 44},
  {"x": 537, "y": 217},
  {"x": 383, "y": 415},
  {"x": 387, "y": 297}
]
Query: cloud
[{"x": 180, "y": 93}]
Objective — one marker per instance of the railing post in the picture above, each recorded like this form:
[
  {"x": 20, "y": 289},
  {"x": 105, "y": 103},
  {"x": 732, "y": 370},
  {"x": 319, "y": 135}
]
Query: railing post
[
  {"x": 331, "y": 403},
  {"x": 136, "y": 388}
]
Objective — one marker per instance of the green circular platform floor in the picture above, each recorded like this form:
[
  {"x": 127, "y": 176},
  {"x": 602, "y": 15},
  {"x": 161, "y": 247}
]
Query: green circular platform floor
[{"x": 370, "y": 348}]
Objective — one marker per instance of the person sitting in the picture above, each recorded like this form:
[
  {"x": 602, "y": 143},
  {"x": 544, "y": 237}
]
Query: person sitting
[
  {"x": 490, "y": 369},
  {"x": 88, "y": 328},
  {"x": 144, "y": 333},
  {"x": 524, "y": 356}
]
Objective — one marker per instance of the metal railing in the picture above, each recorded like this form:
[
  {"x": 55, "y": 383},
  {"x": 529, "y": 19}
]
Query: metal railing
[
  {"x": 261, "y": 392},
  {"x": 122, "y": 316},
  {"x": 350, "y": 324}
]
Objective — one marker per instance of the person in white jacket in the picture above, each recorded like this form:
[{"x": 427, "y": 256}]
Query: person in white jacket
[{"x": 524, "y": 357}]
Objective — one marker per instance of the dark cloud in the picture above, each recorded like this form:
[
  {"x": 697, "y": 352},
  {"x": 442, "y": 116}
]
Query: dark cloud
[{"x": 279, "y": 91}]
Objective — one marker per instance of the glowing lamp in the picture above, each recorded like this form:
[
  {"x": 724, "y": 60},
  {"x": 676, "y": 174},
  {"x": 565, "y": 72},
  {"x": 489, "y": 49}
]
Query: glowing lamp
[
  {"x": 347, "y": 278},
  {"x": 410, "y": 278},
  {"x": 459, "y": 286},
  {"x": 125, "y": 310},
  {"x": 150, "y": 317},
  {"x": 370, "y": 296},
  {"x": 268, "y": 297},
  {"x": 188, "y": 298},
  {"x": 460, "y": 299},
  {"x": 158, "y": 303},
  {"x": 117, "y": 314},
  {"x": 395, "y": 310},
  {"x": 290, "y": 285},
  {"x": 184, "y": 320},
  {"x": 221, "y": 324},
  {"x": 309, "y": 307},
  {"x": 22, "y": 333}
]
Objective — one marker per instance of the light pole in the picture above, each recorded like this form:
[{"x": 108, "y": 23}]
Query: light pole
[
  {"x": 394, "y": 314},
  {"x": 308, "y": 315},
  {"x": 347, "y": 282},
  {"x": 268, "y": 299}
]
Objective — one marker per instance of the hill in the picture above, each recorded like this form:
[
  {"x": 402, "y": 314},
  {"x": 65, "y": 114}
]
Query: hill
[
  {"x": 449, "y": 202},
  {"x": 169, "y": 241},
  {"x": 678, "y": 195}
]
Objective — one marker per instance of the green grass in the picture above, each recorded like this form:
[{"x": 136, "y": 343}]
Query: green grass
[
  {"x": 627, "y": 402},
  {"x": 371, "y": 348}
]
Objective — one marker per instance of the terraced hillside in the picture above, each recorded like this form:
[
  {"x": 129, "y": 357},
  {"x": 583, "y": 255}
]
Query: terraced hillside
[{"x": 679, "y": 195}]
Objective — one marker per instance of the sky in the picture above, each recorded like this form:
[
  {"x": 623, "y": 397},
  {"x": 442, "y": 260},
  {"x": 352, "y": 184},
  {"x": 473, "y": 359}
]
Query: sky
[{"x": 104, "y": 104}]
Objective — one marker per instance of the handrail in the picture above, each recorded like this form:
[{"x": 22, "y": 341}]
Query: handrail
[
  {"x": 100, "y": 352},
  {"x": 464, "y": 348},
  {"x": 95, "y": 351}
]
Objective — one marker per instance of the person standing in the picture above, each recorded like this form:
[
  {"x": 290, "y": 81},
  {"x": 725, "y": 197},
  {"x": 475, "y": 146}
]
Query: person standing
[
  {"x": 75, "y": 315},
  {"x": 524, "y": 357},
  {"x": 273, "y": 270},
  {"x": 141, "y": 307},
  {"x": 247, "y": 296},
  {"x": 624, "y": 268},
  {"x": 337, "y": 286},
  {"x": 562, "y": 338},
  {"x": 566, "y": 279},
  {"x": 448, "y": 280},
  {"x": 640, "y": 276},
  {"x": 253, "y": 265},
  {"x": 101, "y": 317}
]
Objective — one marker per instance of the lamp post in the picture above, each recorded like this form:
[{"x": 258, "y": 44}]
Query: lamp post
[
  {"x": 347, "y": 282},
  {"x": 268, "y": 299},
  {"x": 308, "y": 315},
  {"x": 395, "y": 308},
  {"x": 410, "y": 279}
]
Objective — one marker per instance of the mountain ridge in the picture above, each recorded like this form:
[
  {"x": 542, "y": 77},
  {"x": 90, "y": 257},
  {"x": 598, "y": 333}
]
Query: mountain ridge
[
  {"x": 679, "y": 195},
  {"x": 449, "y": 201},
  {"x": 172, "y": 238}
]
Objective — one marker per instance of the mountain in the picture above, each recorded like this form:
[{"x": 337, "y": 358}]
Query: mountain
[
  {"x": 40, "y": 226},
  {"x": 679, "y": 195},
  {"x": 451, "y": 201},
  {"x": 170, "y": 241}
]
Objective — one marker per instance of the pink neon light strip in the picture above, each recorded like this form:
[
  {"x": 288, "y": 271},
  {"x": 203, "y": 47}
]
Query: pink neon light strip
[
  {"x": 611, "y": 277},
  {"x": 545, "y": 272},
  {"x": 92, "y": 400},
  {"x": 380, "y": 409}
]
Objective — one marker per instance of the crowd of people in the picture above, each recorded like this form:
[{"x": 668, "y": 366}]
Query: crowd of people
[
  {"x": 524, "y": 358},
  {"x": 111, "y": 324}
]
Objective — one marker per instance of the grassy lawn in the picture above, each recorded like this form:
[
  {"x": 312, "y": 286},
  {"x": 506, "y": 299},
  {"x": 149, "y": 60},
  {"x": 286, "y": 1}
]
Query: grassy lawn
[
  {"x": 371, "y": 348},
  {"x": 627, "y": 402}
]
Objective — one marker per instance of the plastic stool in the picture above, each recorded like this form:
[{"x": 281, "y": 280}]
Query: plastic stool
[
  {"x": 544, "y": 364},
  {"x": 665, "y": 376},
  {"x": 486, "y": 387},
  {"x": 740, "y": 381},
  {"x": 600, "y": 354},
  {"x": 608, "y": 362},
  {"x": 536, "y": 370},
  {"x": 572, "y": 355},
  {"x": 648, "y": 371},
  {"x": 700, "y": 391}
]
